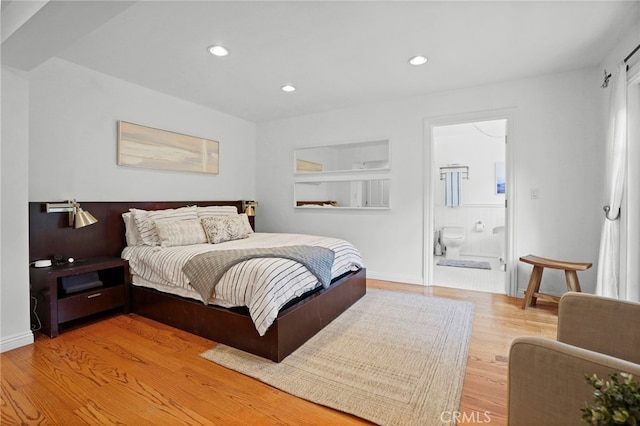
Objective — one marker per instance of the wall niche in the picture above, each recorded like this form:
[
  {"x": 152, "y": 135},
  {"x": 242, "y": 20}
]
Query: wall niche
[
  {"x": 369, "y": 155},
  {"x": 350, "y": 175}
]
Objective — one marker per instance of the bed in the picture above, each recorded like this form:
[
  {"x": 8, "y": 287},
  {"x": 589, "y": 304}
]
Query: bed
[{"x": 296, "y": 320}]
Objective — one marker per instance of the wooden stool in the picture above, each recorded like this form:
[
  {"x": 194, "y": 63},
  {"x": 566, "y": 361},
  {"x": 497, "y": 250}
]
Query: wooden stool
[{"x": 539, "y": 263}]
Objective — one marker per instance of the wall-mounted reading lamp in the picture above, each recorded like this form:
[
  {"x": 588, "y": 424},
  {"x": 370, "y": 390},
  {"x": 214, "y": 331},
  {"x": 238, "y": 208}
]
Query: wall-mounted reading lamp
[
  {"x": 249, "y": 207},
  {"x": 78, "y": 218}
]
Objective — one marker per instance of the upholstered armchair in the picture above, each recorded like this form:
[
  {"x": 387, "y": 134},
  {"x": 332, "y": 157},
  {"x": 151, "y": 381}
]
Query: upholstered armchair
[{"x": 596, "y": 335}]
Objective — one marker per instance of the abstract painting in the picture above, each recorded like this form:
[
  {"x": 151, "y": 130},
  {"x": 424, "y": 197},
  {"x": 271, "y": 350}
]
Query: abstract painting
[{"x": 147, "y": 147}]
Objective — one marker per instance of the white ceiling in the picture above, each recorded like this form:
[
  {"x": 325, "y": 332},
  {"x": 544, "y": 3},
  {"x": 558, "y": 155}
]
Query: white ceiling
[{"x": 337, "y": 54}]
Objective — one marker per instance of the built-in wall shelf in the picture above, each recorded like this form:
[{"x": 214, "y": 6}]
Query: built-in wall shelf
[
  {"x": 343, "y": 157},
  {"x": 354, "y": 175}
]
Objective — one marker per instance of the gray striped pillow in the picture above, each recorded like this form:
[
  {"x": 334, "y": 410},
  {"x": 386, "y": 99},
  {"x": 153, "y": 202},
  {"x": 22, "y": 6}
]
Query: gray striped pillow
[
  {"x": 180, "y": 232},
  {"x": 146, "y": 221},
  {"x": 131, "y": 230},
  {"x": 209, "y": 211}
]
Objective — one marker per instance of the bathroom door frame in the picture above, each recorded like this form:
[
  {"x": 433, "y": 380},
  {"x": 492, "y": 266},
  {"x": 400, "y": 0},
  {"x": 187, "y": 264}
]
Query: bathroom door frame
[{"x": 507, "y": 114}]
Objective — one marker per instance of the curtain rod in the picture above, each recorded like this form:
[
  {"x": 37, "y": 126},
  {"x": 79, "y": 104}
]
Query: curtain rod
[
  {"x": 605, "y": 83},
  {"x": 633, "y": 52}
]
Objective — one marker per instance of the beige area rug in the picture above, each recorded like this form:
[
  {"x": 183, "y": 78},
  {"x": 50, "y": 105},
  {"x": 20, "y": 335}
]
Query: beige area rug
[{"x": 392, "y": 358}]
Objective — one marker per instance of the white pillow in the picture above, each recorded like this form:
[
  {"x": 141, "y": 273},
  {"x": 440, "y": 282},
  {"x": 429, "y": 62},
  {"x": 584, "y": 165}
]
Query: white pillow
[
  {"x": 209, "y": 211},
  {"x": 180, "y": 232},
  {"x": 224, "y": 228},
  {"x": 247, "y": 225},
  {"x": 146, "y": 221},
  {"x": 131, "y": 233}
]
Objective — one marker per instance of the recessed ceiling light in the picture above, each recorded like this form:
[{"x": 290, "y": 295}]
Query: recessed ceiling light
[
  {"x": 418, "y": 60},
  {"x": 218, "y": 50},
  {"x": 288, "y": 88}
]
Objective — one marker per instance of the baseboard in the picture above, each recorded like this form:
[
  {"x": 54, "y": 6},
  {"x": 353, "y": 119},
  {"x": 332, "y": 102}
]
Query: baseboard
[
  {"x": 405, "y": 279},
  {"x": 16, "y": 341},
  {"x": 480, "y": 254}
]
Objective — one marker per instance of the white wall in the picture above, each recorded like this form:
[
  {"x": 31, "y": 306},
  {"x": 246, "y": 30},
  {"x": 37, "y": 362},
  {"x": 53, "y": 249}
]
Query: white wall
[
  {"x": 73, "y": 139},
  {"x": 557, "y": 147},
  {"x": 15, "y": 323}
]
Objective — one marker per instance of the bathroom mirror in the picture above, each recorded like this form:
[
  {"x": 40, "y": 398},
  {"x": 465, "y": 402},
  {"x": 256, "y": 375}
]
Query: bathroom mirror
[
  {"x": 353, "y": 194},
  {"x": 370, "y": 155}
]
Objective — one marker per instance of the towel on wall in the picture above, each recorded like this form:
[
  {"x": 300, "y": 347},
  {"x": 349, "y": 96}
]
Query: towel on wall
[{"x": 452, "y": 189}]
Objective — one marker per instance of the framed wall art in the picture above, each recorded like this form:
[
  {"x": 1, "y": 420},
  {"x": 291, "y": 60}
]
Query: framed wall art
[
  {"x": 501, "y": 181},
  {"x": 150, "y": 148}
]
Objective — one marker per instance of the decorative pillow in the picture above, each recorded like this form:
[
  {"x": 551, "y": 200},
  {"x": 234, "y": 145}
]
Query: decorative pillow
[
  {"x": 131, "y": 233},
  {"x": 247, "y": 225},
  {"x": 224, "y": 228},
  {"x": 146, "y": 221},
  {"x": 209, "y": 211},
  {"x": 180, "y": 232}
]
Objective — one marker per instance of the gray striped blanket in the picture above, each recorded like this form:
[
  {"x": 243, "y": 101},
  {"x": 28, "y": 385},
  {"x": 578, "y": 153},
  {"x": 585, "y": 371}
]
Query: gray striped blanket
[{"x": 205, "y": 270}]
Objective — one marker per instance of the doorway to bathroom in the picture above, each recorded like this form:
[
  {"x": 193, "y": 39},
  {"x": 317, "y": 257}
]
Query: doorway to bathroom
[{"x": 467, "y": 211}]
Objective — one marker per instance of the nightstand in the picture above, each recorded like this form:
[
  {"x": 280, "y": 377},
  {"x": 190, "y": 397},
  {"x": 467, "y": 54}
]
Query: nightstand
[{"x": 56, "y": 306}]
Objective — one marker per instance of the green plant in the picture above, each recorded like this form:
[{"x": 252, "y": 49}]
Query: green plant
[{"x": 617, "y": 402}]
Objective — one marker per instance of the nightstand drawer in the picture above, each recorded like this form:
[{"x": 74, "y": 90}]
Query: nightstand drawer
[{"x": 91, "y": 302}]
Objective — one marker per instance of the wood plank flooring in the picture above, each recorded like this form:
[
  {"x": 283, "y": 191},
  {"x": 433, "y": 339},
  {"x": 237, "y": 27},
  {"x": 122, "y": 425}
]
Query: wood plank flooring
[{"x": 128, "y": 370}]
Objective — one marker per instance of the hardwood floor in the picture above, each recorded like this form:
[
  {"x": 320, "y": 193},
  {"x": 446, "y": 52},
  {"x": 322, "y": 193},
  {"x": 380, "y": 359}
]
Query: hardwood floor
[{"x": 130, "y": 370}]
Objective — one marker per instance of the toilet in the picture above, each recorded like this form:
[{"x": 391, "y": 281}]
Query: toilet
[{"x": 452, "y": 239}]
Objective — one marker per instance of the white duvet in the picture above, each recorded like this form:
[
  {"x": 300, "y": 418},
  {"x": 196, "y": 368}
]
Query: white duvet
[{"x": 263, "y": 285}]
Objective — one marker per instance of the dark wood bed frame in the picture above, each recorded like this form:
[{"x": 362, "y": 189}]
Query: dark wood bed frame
[{"x": 49, "y": 235}]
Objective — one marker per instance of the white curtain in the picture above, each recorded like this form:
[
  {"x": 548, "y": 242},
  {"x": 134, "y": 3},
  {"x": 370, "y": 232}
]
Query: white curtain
[
  {"x": 630, "y": 267},
  {"x": 609, "y": 258}
]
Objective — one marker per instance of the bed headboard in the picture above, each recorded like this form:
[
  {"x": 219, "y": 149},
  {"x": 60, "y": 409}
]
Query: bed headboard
[{"x": 50, "y": 233}]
